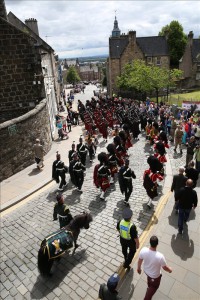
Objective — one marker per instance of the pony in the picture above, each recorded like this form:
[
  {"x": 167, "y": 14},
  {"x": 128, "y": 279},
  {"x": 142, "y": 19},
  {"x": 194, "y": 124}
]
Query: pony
[{"x": 56, "y": 244}]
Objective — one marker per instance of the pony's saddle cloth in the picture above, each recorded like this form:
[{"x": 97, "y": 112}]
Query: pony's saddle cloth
[{"x": 57, "y": 243}]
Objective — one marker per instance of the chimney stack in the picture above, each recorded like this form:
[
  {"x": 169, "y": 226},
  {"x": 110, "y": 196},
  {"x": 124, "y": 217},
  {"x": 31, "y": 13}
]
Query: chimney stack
[
  {"x": 32, "y": 24},
  {"x": 132, "y": 36},
  {"x": 190, "y": 37},
  {"x": 3, "y": 12}
]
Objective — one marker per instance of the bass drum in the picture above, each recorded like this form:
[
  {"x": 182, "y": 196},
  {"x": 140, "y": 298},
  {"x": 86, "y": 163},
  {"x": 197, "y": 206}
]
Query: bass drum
[{"x": 58, "y": 242}]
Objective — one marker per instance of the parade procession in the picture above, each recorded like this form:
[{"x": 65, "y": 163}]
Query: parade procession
[
  {"x": 111, "y": 129},
  {"x": 112, "y": 175},
  {"x": 100, "y": 150}
]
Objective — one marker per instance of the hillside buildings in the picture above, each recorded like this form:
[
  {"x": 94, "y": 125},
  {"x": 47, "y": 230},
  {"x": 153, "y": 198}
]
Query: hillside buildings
[
  {"x": 190, "y": 62},
  {"x": 125, "y": 48},
  {"x": 88, "y": 71}
]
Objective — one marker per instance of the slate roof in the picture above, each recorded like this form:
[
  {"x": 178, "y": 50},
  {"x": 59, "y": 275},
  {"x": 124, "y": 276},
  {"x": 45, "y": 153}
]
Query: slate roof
[
  {"x": 117, "y": 46},
  {"x": 88, "y": 69},
  {"x": 196, "y": 49},
  {"x": 71, "y": 62},
  {"x": 150, "y": 46},
  {"x": 153, "y": 45}
]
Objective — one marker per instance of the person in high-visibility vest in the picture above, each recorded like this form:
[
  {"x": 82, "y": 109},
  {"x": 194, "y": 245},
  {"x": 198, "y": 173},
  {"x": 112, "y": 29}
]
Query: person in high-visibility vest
[{"x": 128, "y": 237}]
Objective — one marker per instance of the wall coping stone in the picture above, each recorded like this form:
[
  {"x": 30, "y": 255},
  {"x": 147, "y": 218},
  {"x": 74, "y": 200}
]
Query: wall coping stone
[{"x": 26, "y": 116}]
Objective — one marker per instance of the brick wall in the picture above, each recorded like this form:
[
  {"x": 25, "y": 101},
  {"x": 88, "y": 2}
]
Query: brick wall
[
  {"x": 18, "y": 136},
  {"x": 19, "y": 62}
]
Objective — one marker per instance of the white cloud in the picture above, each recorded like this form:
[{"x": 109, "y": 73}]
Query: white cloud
[{"x": 81, "y": 28}]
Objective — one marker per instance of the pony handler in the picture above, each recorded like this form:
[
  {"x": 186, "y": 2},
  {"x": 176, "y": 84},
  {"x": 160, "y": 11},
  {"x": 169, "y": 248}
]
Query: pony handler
[{"x": 55, "y": 245}]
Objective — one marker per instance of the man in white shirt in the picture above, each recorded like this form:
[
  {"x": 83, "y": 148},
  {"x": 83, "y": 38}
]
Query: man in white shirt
[{"x": 153, "y": 261}]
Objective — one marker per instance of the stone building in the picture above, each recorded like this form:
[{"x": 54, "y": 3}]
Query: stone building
[
  {"x": 125, "y": 48},
  {"x": 89, "y": 72},
  {"x": 190, "y": 63},
  {"x": 50, "y": 74},
  {"x": 66, "y": 63},
  {"x": 19, "y": 60},
  {"x": 24, "y": 111}
]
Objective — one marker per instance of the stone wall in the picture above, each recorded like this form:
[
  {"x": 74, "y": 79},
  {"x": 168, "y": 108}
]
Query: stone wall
[
  {"x": 17, "y": 137},
  {"x": 19, "y": 61}
]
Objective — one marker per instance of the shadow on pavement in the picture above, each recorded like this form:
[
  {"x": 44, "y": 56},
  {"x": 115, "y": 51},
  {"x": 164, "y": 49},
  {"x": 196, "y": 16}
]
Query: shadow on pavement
[
  {"x": 182, "y": 245},
  {"x": 45, "y": 285},
  {"x": 192, "y": 215},
  {"x": 177, "y": 155},
  {"x": 173, "y": 219},
  {"x": 146, "y": 212},
  {"x": 74, "y": 198},
  {"x": 96, "y": 206},
  {"x": 147, "y": 148},
  {"x": 71, "y": 199},
  {"x": 117, "y": 212},
  {"x": 35, "y": 171},
  {"x": 127, "y": 288}
]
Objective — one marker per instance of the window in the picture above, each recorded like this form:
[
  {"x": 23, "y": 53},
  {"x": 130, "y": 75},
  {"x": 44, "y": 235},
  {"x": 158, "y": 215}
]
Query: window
[
  {"x": 158, "y": 61},
  {"x": 149, "y": 59}
]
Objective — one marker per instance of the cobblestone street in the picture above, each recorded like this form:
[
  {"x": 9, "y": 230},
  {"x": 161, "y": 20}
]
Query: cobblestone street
[
  {"x": 99, "y": 255},
  {"x": 78, "y": 276}
]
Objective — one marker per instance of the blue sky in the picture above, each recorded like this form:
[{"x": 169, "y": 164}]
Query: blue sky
[{"x": 82, "y": 28}]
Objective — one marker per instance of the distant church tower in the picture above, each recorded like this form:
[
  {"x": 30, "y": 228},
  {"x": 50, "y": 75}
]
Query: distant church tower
[{"x": 116, "y": 31}]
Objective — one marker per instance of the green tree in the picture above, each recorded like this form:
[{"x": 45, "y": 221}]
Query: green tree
[
  {"x": 142, "y": 78},
  {"x": 104, "y": 80},
  {"x": 177, "y": 41},
  {"x": 72, "y": 75}
]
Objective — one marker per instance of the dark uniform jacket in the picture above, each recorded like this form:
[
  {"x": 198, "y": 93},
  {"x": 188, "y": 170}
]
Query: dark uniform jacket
[
  {"x": 62, "y": 211},
  {"x": 71, "y": 154},
  {"x": 125, "y": 177},
  {"x": 75, "y": 169},
  {"x": 102, "y": 171},
  {"x": 81, "y": 149},
  {"x": 112, "y": 160},
  {"x": 78, "y": 167},
  {"x": 187, "y": 198},
  {"x": 58, "y": 168}
]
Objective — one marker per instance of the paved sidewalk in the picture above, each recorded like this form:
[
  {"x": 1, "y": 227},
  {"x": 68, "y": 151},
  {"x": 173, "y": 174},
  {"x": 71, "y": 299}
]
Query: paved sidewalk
[
  {"x": 29, "y": 180},
  {"x": 24, "y": 183},
  {"x": 182, "y": 252}
]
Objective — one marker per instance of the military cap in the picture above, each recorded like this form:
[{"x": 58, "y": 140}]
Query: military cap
[{"x": 127, "y": 213}]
